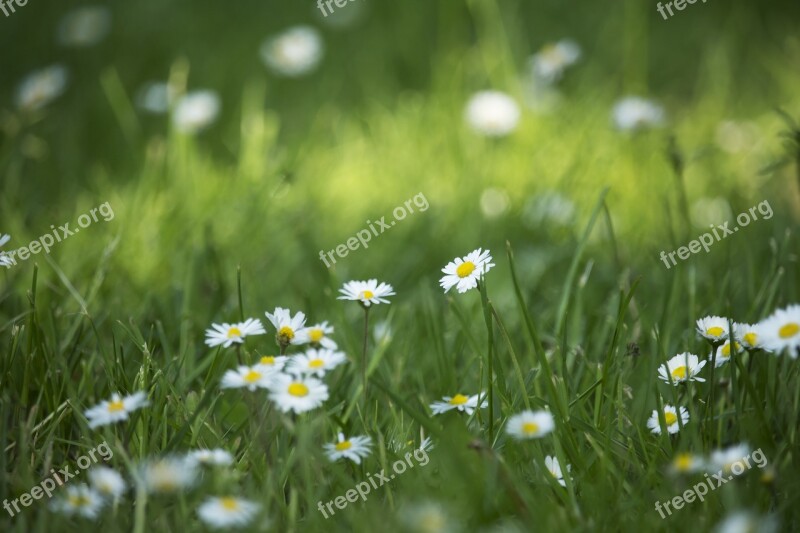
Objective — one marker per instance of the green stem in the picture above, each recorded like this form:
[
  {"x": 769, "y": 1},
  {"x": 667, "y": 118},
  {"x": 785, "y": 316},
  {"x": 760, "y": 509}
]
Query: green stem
[
  {"x": 487, "y": 315},
  {"x": 364, "y": 351}
]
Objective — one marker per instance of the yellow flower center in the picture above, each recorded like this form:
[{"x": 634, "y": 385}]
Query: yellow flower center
[
  {"x": 465, "y": 269},
  {"x": 252, "y": 376},
  {"x": 78, "y": 501},
  {"x": 679, "y": 373},
  {"x": 234, "y": 332},
  {"x": 726, "y": 350},
  {"x": 344, "y": 445},
  {"x": 298, "y": 389},
  {"x": 286, "y": 333},
  {"x": 716, "y": 331},
  {"x": 789, "y": 330},
  {"x": 750, "y": 338},
  {"x": 670, "y": 418},
  {"x": 316, "y": 363},
  {"x": 683, "y": 462},
  {"x": 529, "y": 428},
  {"x": 116, "y": 406},
  {"x": 458, "y": 399},
  {"x": 229, "y": 504},
  {"x": 268, "y": 360},
  {"x": 366, "y": 295},
  {"x": 316, "y": 335}
]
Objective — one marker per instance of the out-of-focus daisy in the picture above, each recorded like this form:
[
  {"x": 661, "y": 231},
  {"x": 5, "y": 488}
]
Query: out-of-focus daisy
[
  {"x": 671, "y": 419},
  {"x": 273, "y": 362},
  {"x": 427, "y": 517},
  {"x": 551, "y": 463},
  {"x": 156, "y": 97},
  {"x": 195, "y": 111},
  {"x": 297, "y": 393},
  {"x": 41, "y": 87},
  {"x": 530, "y": 425},
  {"x": 316, "y": 362},
  {"x": 84, "y": 26},
  {"x": 747, "y": 522},
  {"x": 251, "y": 377},
  {"x": 686, "y": 463},
  {"x": 494, "y": 202},
  {"x": 748, "y": 335},
  {"x": 549, "y": 63},
  {"x": 426, "y": 444},
  {"x": 382, "y": 332},
  {"x": 4, "y": 259},
  {"x": 549, "y": 209},
  {"x": 724, "y": 353},
  {"x": 633, "y": 113},
  {"x": 729, "y": 461},
  {"x": 227, "y": 512},
  {"x": 287, "y": 326},
  {"x": 781, "y": 330},
  {"x": 226, "y": 334},
  {"x": 293, "y": 53},
  {"x": 464, "y": 273},
  {"x": 683, "y": 367},
  {"x": 354, "y": 448},
  {"x": 317, "y": 336},
  {"x": 215, "y": 457},
  {"x": 713, "y": 328},
  {"x": 367, "y": 293},
  {"x": 116, "y": 409},
  {"x": 107, "y": 481},
  {"x": 79, "y": 500},
  {"x": 168, "y": 474},
  {"x": 465, "y": 404},
  {"x": 492, "y": 113}
]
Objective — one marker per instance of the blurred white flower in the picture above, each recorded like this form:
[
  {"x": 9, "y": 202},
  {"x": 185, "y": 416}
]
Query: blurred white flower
[
  {"x": 633, "y": 113},
  {"x": 168, "y": 474},
  {"x": 781, "y": 330},
  {"x": 551, "y": 463},
  {"x": 549, "y": 64},
  {"x": 492, "y": 113},
  {"x": 116, "y": 409},
  {"x": 79, "y": 500},
  {"x": 465, "y": 404},
  {"x": 747, "y": 522},
  {"x": 494, "y": 202},
  {"x": 84, "y": 26},
  {"x": 156, "y": 97},
  {"x": 196, "y": 111},
  {"x": 729, "y": 460},
  {"x": 548, "y": 208},
  {"x": 735, "y": 137},
  {"x": 293, "y": 53},
  {"x": 4, "y": 259},
  {"x": 41, "y": 87},
  {"x": 707, "y": 211},
  {"x": 107, "y": 482},
  {"x": 227, "y": 512},
  {"x": 354, "y": 448},
  {"x": 215, "y": 457}
]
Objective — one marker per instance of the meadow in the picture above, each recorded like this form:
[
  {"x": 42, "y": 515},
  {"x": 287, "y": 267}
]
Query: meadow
[{"x": 173, "y": 174}]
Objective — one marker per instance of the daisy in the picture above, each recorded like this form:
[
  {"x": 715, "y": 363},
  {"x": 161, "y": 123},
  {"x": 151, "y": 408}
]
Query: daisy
[
  {"x": 5, "y": 260},
  {"x": 686, "y": 463},
  {"x": 227, "y": 512},
  {"x": 724, "y": 353},
  {"x": 748, "y": 335},
  {"x": 84, "y": 26},
  {"x": 530, "y": 425},
  {"x": 293, "y": 53},
  {"x": 317, "y": 335},
  {"x": 316, "y": 362},
  {"x": 426, "y": 445},
  {"x": 781, "y": 330},
  {"x": 633, "y": 113},
  {"x": 247, "y": 376},
  {"x": 492, "y": 113},
  {"x": 107, "y": 481},
  {"x": 273, "y": 362},
  {"x": 195, "y": 111},
  {"x": 671, "y": 419},
  {"x": 747, "y": 522},
  {"x": 729, "y": 461},
  {"x": 226, "y": 334},
  {"x": 551, "y": 463},
  {"x": 79, "y": 500},
  {"x": 354, "y": 448},
  {"x": 215, "y": 457},
  {"x": 115, "y": 410},
  {"x": 427, "y": 517},
  {"x": 156, "y": 97},
  {"x": 683, "y": 367},
  {"x": 168, "y": 474},
  {"x": 41, "y": 87},
  {"x": 287, "y": 326},
  {"x": 549, "y": 64},
  {"x": 463, "y": 403},
  {"x": 366, "y": 292},
  {"x": 465, "y": 272},
  {"x": 297, "y": 393},
  {"x": 713, "y": 328}
]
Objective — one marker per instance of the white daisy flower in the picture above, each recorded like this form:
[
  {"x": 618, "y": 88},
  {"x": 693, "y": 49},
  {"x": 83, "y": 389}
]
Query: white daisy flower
[
  {"x": 273, "y": 362},
  {"x": 156, "y": 97},
  {"x": 426, "y": 444},
  {"x": 287, "y": 327},
  {"x": 713, "y": 328},
  {"x": 530, "y": 425},
  {"x": 4, "y": 259},
  {"x": 227, "y": 512},
  {"x": 195, "y": 111},
  {"x": 729, "y": 461},
  {"x": 317, "y": 335},
  {"x": 686, "y": 463},
  {"x": 79, "y": 500},
  {"x": 683, "y": 367},
  {"x": 551, "y": 463},
  {"x": 633, "y": 113},
  {"x": 316, "y": 362},
  {"x": 108, "y": 482},
  {"x": 464, "y": 273},
  {"x": 382, "y": 332},
  {"x": 466, "y": 404},
  {"x": 226, "y": 334},
  {"x": 167, "y": 474},
  {"x": 84, "y": 26},
  {"x": 252, "y": 377},
  {"x": 366, "y": 292},
  {"x": 724, "y": 353},
  {"x": 41, "y": 87},
  {"x": 747, "y": 522},
  {"x": 671, "y": 419},
  {"x": 549, "y": 64},
  {"x": 297, "y": 393},
  {"x": 293, "y": 53},
  {"x": 748, "y": 335},
  {"x": 427, "y": 517},
  {"x": 116, "y": 409},
  {"x": 781, "y": 330},
  {"x": 215, "y": 457},
  {"x": 354, "y": 448},
  {"x": 492, "y": 113}
]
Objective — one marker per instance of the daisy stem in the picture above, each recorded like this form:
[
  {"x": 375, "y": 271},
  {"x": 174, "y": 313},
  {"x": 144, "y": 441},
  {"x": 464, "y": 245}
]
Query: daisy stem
[
  {"x": 239, "y": 353},
  {"x": 487, "y": 315},
  {"x": 364, "y": 351}
]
